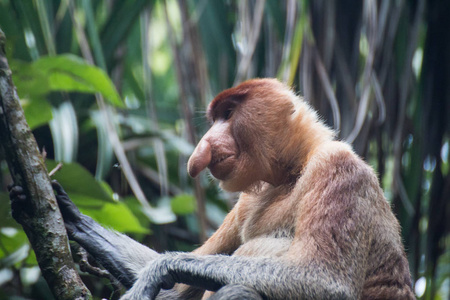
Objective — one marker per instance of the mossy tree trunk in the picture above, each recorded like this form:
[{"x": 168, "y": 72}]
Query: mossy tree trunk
[{"x": 42, "y": 222}]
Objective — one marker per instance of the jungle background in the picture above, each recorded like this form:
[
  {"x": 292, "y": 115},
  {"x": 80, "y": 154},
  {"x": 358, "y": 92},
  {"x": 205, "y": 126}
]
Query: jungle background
[{"x": 117, "y": 90}]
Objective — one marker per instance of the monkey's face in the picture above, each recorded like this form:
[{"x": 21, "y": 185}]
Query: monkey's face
[
  {"x": 239, "y": 148},
  {"x": 216, "y": 150},
  {"x": 220, "y": 151}
]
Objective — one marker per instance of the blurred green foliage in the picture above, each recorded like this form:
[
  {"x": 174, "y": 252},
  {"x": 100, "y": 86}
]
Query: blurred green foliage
[{"x": 144, "y": 71}]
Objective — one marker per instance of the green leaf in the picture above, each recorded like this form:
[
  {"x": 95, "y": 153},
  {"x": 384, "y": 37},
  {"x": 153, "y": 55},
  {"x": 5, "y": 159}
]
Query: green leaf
[
  {"x": 30, "y": 81},
  {"x": 94, "y": 198},
  {"x": 183, "y": 204},
  {"x": 76, "y": 180},
  {"x": 37, "y": 112},
  {"x": 67, "y": 73},
  {"x": 31, "y": 259},
  {"x": 116, "y": 216},
  {"x": 6, "y": 219},
  {"x": 16, "y": 257},
  {"x": 71, "y": 73},
  {"x": 12, "y": 240}
]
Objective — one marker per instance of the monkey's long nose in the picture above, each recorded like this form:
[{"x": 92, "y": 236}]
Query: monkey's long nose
[{"x": 200, "y": 159}]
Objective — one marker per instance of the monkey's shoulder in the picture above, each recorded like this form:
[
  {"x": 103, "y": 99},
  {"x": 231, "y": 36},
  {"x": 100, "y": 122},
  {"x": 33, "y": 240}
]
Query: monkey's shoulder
[
  {"x": 336, "y": 162},
  {"x": 339, "y": 180}
]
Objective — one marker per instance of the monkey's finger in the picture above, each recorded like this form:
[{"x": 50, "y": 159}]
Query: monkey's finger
[
  {"x": 58, "y": 188},
  {"x": 19, "y": 202},
  {"x": 16, "y": 192},
  {"x": 72, "y": 231},
  {"x": 167, "y": 282},
  {"x": 69, "y": 210},
  {"x": 153, "y": 292},
  {"x": 19, "y": 198}
]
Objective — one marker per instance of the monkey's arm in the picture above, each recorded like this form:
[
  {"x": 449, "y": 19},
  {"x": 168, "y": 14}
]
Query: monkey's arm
[
  {"x": 225, "y": 240},
  {"x": 119, "y": 254},
  {"x": 270, "y": 277},
  {"x": 123, "y": 257}
]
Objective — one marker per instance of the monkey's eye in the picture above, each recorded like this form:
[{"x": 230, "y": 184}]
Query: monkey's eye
[{"x": 228, "y": 113}]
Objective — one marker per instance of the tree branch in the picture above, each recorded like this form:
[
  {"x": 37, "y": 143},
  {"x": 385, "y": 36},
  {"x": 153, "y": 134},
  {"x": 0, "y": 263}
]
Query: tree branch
[{"x": 42, "y": 222}]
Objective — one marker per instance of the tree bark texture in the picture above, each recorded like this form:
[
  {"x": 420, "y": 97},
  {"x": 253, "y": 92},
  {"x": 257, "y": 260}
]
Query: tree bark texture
[{"x": 42, "y": 221}]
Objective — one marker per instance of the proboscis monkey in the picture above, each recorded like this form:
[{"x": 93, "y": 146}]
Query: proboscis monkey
[{"x": 311, "y": 221}]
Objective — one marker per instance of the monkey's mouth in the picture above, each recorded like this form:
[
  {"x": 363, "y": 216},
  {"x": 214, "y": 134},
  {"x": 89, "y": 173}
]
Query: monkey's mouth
[
  {"x": 222, "y": 166},
  {"x": 218, "y": 160}
]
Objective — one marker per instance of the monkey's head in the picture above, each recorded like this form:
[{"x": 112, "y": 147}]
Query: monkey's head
[{"x": 251, "y": 128}]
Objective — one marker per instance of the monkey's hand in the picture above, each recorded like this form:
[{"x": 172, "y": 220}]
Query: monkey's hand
[
  {"x": 120, "y": 255},
  {"x": 20, "y": 207},
  {"x": 154, "y": 277},
  {"x": 99, "y": 242},
  {"x": 70, "y": 212}
]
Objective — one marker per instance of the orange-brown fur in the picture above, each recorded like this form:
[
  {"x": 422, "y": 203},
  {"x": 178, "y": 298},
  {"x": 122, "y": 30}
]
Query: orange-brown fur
[{"x": 306, "y": 198}]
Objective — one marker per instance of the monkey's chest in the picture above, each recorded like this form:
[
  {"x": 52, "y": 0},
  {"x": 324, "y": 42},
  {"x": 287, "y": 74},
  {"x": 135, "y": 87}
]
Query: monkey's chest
[{"x": 271, "y": 219}]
